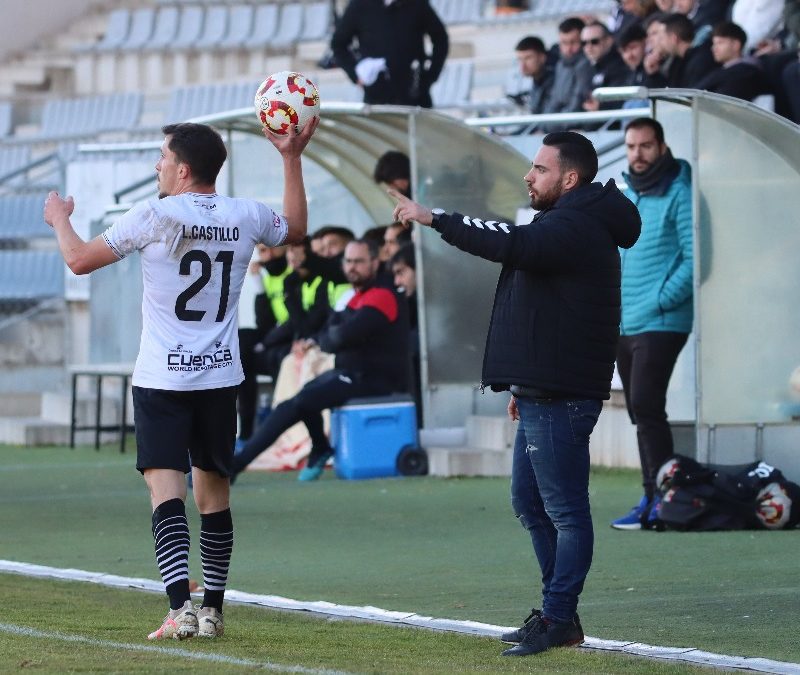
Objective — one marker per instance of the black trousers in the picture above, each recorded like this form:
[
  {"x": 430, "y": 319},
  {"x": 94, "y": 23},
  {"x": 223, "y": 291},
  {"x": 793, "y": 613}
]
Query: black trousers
[
  {"x": 331, "y": 389},
  {"x": 645, "y": 363}
]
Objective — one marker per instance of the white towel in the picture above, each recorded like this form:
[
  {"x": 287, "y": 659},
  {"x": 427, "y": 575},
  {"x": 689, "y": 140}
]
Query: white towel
[{"x": 368, "y": 70}]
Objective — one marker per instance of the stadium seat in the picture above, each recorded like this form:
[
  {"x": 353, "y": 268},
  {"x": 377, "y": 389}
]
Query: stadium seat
[
  {"x": 317, "y": 21},
  {"x": 119, "y": 22},
  {"x": 142, "y": 23},
  {"x": 31, "y": 275},
  {"x": 21, "y": 217},
  {"x": 165, "y": 29},
  {"x": 13, "y": 157},
  {"x": 239, "y": 27},
  {"x": 264, "y": 25},
  {"x": 189, "y": 27},
  {"x": 6, "y": 118},
  {"x": 214, "y": 28},
  {"x": 290, "y": 26},
  {"x": 454, "y": 85}
]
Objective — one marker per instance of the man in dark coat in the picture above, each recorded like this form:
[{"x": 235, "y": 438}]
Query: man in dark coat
[
  {"x": 391, "y": 65},
  {"x": 552, "y": 342}
]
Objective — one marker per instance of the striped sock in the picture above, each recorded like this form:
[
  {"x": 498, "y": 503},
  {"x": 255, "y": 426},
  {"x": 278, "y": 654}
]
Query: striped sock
[
  {"x": 171, "y": 535},
  {"x": 216, "y": 544}
]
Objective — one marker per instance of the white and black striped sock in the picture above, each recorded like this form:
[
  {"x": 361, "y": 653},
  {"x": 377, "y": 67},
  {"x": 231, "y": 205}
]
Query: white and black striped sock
[
  {"x": 171, "y": 535},
  {"x": 216, "y": 545}
]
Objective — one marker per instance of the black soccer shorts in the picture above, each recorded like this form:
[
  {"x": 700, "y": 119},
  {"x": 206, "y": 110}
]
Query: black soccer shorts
[{"x": 181, "y": 429}]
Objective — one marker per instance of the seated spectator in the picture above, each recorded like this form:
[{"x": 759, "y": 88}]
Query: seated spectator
[
  {"x": 377, "y": 234},
  {"x": 691, "y": 9},
  {"x": 572, "y": 73},
  {"x": 631, "y": 47},
  {"x": 608, "y": 68},
  {"x": 665, "y": 6},
  {"x": 630, "y": 12},
  {"x": 688, "y": 65},
  {"x": 740, "y": 77},
  {"x": 532, "y": 58},
  {"x": 393, "y": 169},
  {"x": 370, "y": 341},
  {"x": 705, "y": 12},
  {"x": 404, "y": 273}
]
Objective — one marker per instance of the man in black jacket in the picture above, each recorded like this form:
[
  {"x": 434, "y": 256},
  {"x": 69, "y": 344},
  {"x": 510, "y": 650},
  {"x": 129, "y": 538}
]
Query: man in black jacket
[
  {"x": 392, "y": 65},
  {"x": 370, "y": 341},
  {"x": 552, "y": 342}
]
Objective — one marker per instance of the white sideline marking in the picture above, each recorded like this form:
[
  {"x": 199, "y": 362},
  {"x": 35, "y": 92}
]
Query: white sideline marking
[
  {"x": 687, "y": 654},
  {"x": 172, "y": 651}
]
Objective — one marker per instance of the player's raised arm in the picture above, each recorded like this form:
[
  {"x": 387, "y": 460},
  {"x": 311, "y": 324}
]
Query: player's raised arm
[
  {"x": 295, "y": 206},
  {"x": 81, "y": 256}
]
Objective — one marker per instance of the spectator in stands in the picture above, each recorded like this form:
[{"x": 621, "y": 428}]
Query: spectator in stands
[
  {"x": 608, "y": 68},
  {"x": 510, "y": 6},
  {"x": 403, "y": 266},
  {"x": 393, "y": 66},
  {"x": 740, "y": 77},
  {"x": 532, "y": 58},
  {"x": 631, "y": 46},
  {"x": 656, "y": 300},
  {"x": 572, "y": 73},
  {"x": 393, "y": 169},
  {"x": 193, "y": 272},
  {"x": 688, "y": 65},
  {"x": 629, "y": 12},
  {"x": 370, "y": 341},
  {"x": 705, "y": 12},
  {"x": 563, "y": 270},
  {"x": 691, "y": 9},
  {"x": 665, "y": 6}
]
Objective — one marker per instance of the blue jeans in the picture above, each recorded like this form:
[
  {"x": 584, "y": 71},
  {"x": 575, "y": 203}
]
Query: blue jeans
[{"x": 550, "y": 495}]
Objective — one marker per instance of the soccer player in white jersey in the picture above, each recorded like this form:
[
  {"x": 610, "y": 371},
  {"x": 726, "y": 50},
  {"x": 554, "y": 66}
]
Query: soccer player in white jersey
[{"x": 195, "y": 246}]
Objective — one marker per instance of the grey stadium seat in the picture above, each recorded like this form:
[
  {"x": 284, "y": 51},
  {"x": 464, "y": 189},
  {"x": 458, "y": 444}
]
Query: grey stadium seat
[
  {"x": 13, "y": 157},
  {"x": 290, "y": 26},
  {"x": 454, "y": 85},
  {"x": 214, "y": 28},
  {"x": 141, "y": 29},
  {"x": 264, "y": 25},
  {"x": 21, "y": 217},
  {"x": 239, "y": 27},
  {"x": 116, "y": 30},
  {"x": 165, "y": 29},
  {"x": 6, "y": 118},
  {"x": 189, "y": 27},
  {"x": 317, "y": 21},
  {"x": 31, "y": 275}
]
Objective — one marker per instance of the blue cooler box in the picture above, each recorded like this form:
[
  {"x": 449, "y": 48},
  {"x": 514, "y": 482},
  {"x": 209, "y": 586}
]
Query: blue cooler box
[{"x": 368, "y": 434}]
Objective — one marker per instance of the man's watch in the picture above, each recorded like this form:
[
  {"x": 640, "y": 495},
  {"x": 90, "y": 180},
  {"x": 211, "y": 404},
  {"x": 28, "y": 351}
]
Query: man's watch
[{"x": 436, "y": 214}]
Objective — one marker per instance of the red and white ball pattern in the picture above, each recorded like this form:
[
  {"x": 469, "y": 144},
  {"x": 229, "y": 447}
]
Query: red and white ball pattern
[{"x": 286, "y": 98}]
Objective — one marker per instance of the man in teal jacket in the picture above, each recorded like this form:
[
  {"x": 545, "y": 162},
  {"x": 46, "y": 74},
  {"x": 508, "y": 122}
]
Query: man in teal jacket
[{"x": 656, "y": 300}]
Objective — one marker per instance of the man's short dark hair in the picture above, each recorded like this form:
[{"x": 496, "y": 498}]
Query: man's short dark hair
[
  {"x": 655, "y": 17},
  {"x": 647, "y": 123},
  {"x": 679, "y": 25},
  {"x": 199, "y": 146},
  {"x": 392, "y": 165},
  {"x": 571, "y": 24},
  {"x": 531, "y": 43},
  {"x": 375, "y": 234},
  {"x": 576, "y": 152},
  {"x": 405, "y": 255},
  {"x": 338, "y": 230},
  {"x": 728, "y": 29},
  {"x": 634, "y": 32},
  {"x": 372, "y": 246}
]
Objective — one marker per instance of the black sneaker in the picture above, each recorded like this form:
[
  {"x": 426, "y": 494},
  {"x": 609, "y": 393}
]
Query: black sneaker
[
  {"x": 514, "y": 637},
  {"x": 545, "y": 635}
]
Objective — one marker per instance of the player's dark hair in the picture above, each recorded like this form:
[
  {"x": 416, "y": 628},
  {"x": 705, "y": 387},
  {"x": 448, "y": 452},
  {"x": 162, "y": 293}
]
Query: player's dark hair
[
  {"x": 375, "y": 233},
  {"x": 531, "y": 43},
  {"x": 575, "y": 152},
  {"x": 728, "y": 29},
  {"x": 199, "y": 146},
  {"x": 601, "y": 26},
  {"x": 571, "y": 24},
  {"x": 392, "y": 165},
  {"x": 647, "y": 123},
  {"x": 679, "y": 25}
]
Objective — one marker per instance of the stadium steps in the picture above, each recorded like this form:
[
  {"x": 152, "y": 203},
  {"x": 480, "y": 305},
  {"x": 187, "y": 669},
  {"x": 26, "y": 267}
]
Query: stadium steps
[
  {"x": 44, "y": 419},
  {"x": 487, "y": 452}
]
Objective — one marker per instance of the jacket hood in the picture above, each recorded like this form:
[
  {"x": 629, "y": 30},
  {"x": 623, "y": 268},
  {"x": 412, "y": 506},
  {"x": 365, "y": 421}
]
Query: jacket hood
[{"x": 606, "y": 204}]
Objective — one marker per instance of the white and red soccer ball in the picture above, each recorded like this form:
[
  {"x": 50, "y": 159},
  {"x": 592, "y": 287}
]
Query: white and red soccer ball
[{"x": 286, "y": 98}]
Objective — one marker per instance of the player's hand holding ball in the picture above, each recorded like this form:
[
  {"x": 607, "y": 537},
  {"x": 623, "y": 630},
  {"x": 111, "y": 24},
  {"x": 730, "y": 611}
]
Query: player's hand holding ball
[{"x": 287, "y": 105}]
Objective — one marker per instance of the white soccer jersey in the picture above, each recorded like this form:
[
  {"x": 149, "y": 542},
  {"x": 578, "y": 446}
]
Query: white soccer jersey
[{"x": 195, "y": 249}]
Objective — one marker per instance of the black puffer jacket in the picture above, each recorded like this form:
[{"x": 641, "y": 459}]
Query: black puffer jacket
[{"x": 555, "y": 320}]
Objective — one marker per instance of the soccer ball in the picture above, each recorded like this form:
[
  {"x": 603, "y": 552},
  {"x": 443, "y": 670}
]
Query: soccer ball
[{"x": 286, "y": 98}]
